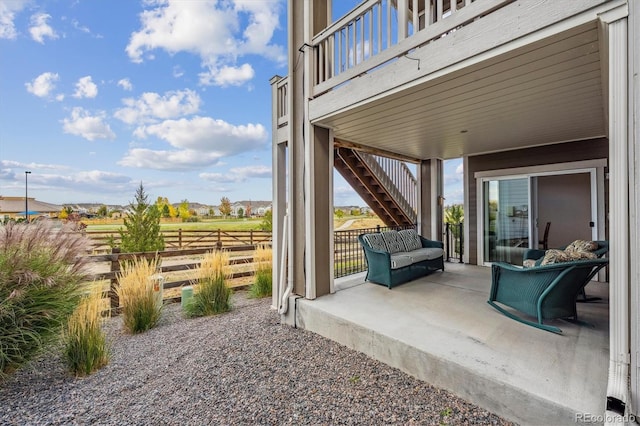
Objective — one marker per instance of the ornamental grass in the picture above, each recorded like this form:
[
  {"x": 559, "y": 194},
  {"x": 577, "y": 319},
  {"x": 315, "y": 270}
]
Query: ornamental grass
[
  {"x": 212, "y": 294},
  {"x": 140, "y": 309},
  {"x": 41, "y": 269},
  {"x": 86, "y": 347},
  {"x": 262, "y": 258}
]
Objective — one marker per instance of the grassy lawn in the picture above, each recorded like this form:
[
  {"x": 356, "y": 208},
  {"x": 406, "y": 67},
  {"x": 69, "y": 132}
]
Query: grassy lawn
[
  {"x": 230, "y": 224},
  {"x": 223, "y": 224}
]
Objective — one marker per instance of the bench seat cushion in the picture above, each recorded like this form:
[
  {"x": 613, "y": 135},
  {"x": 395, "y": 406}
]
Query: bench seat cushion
[
  {"x": 400, "y": 260},
  {"x": 422, "y": 254}
]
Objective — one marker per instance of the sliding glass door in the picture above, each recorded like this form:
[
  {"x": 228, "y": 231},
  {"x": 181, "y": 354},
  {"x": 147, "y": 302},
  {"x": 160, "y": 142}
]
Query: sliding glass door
[{"x": 506, "y": 219}]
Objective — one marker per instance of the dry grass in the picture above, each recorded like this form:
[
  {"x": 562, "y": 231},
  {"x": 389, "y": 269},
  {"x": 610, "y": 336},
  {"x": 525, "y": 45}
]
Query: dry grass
[
  {"x": 262, "y": 258},
  {"x": 140, "y": 307},
  {"x": 86, "y": 347},
  {"x": 212, "y": 294}
]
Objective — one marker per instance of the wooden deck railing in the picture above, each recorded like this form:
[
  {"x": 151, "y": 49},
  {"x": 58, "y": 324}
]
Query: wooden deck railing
[{"x": 379, "y": 31}]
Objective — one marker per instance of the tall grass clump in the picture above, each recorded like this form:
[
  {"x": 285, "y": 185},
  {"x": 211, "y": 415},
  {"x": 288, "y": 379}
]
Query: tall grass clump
[
  {"x": 212, "y": 295},
  {"x": 262, "y": 285},
  {"x": 140, "y": 310},
  {"x": 86, "y": 347},
  {"x": 41, "y": 269}
]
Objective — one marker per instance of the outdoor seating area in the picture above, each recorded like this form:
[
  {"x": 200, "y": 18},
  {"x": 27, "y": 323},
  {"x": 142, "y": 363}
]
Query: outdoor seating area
[
  {"x": 440, "y": 328},
  {"x": 548, "y": 285},
  {"x": 396, "y": 257}
]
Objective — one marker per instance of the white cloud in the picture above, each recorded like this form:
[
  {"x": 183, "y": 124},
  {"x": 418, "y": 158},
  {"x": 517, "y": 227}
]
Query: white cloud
[
  {"x": 85, "y": 88},
  {"x": 227, "y": 76},
  {"x": 40, "y": 29},
  {"x": 150, "y": 107},
  {"x": 460, "y": 169},
  {"x": 8, "y": 11},
  {"x": 168, "y": 160},
  {"x": 197, "y": 143},
  {"x": 212, "y": 30},
  {"x": 82, "y": 123},
  {"x": 238, "y": 174},
  {"x": 208, "y": 135},
  {"x": 9, "y": 164},
  {"x": 43, "y": 84},
  {"x": 125, "y": 83}
]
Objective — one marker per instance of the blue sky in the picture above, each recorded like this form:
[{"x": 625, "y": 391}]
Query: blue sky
[{"x": 97, "y": 96}]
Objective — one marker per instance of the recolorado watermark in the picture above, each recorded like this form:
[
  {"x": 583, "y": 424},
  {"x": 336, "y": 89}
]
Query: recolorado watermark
[{"x": 604, "y": 418}]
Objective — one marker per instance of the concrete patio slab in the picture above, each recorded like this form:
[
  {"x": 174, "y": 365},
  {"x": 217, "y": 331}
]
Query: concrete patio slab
[{"x": 440, "y": 329}]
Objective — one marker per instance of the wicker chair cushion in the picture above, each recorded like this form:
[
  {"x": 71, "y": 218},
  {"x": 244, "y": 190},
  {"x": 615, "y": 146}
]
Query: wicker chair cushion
[
  {"x": 375, "y": 241},
  {"x": 393, "y": 241},
  {"x": 411, "y": 239}
]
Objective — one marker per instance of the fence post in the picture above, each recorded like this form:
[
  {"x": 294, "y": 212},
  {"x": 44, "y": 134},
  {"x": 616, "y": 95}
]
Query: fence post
[
  {"x": 179, "y": 237},
  {"x": 251, "y": 237},
  {"x": 219, "y": 238},
  {"x": 447, "y": 238},
  {"x": 115, "y": 268},
  {"x": 461, "y": 237}
]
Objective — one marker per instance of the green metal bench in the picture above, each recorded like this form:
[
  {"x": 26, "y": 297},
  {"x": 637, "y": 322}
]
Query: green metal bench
[{"x": 542, "y": 292}]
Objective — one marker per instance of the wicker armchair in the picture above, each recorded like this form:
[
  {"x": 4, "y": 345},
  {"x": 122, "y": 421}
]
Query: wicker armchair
[{"x": 542, "y": 292}]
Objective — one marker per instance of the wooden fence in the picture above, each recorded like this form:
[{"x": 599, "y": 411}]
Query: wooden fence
[
  {"x": 180, "y": 239},
  {"x": 190, "y": 263}
]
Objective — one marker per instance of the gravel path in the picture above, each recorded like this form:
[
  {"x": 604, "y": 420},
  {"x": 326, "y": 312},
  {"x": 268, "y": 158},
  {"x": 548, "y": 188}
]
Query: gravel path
[{"x": 239, "y": 368}]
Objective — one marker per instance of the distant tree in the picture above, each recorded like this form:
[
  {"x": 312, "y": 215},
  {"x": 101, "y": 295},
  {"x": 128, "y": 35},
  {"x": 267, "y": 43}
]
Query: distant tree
[
  {"x": 339, "y": 213},
  {"x": 225, "y": 206},
  {"x": 162, "y": 204},
  {"x": 142, "y": 226},
  {"x": 267, "y": 221},
  {"x": 240, "y": 212},
  {"x": 63, "y": 214},
  {"x": 102, "y": 211},
  {"x": 355, "y": 212},
  {"x": 212, "y": 212},
  {"x": 183, "y": 210}
]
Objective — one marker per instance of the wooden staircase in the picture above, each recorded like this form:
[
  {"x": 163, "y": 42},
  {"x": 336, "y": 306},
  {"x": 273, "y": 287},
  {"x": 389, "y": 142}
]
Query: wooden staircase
[{"x": 374, "y": 185}]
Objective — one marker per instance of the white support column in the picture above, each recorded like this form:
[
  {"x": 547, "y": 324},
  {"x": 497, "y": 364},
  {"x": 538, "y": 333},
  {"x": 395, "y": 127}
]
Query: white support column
[
  {"x": 437, "y": 199},
  {"x": 634, "y": 198},
  {"x": 466, "y": 206},
  {"x": 618, "y": 390}
]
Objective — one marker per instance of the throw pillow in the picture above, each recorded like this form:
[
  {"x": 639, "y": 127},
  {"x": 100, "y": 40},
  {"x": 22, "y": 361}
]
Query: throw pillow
[
  {"x": 581, "y": 245},
  {"x": 555, "y": 256}
]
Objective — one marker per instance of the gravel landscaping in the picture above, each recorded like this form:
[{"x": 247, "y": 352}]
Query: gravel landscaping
[{"x": 239, "y": 368}]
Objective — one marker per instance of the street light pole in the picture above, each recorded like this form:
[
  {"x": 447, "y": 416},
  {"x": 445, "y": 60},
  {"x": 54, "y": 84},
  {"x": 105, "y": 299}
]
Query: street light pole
[{"x": 26, "y": 196}]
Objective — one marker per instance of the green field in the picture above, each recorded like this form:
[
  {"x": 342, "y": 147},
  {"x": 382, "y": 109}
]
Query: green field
[{"x": 222, "y": 224}]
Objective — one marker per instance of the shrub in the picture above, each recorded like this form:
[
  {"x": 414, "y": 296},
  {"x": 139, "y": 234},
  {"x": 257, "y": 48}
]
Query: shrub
[
  {"x": 263, "y": 279},
  {"x": 142, "y": 226},
  {"x": 140, "y": 310},
  {"x": 86, "y": 348},
  {"x": 41, "y": 269},
  {"x": 212, "y": 296}
]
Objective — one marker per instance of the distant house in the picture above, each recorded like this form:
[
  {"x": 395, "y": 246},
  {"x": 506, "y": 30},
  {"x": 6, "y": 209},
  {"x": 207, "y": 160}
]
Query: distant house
[{"x": 14, "y": 208}]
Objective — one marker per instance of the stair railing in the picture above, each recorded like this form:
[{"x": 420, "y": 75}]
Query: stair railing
[{"x": 397, "y": 179}]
